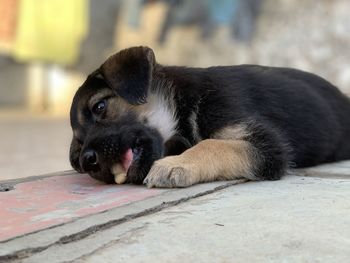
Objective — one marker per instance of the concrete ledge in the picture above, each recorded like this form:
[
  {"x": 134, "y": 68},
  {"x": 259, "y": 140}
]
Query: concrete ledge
[
  {"x": 40, "y": 213},
  {"x": 339, "y": 170},
  {"x": 44, "y": 202},
  {"x": 111, "y": 205},
  {"x": 296, "y": 219}
]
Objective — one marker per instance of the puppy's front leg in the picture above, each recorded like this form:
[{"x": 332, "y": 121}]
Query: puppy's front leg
[{"x": 209, "y": 160}]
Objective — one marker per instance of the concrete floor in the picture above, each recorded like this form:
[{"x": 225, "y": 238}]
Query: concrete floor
[{"x": 296, "y": 219}]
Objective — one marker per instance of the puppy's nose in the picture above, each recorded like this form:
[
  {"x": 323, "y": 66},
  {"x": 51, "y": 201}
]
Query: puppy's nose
[{"x": 89, "y": 161}]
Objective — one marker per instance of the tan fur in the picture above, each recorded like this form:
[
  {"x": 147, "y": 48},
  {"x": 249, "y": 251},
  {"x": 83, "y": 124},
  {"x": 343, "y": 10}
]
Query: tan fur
[
  {"x": 226, "y": 156},
  {"x": 117, "y": 107},
  {"x": 209, "y": 160}
]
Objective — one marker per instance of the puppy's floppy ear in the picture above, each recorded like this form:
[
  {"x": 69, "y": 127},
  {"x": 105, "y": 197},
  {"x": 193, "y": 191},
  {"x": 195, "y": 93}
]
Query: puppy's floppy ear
[{"x": 129, "y": 73}]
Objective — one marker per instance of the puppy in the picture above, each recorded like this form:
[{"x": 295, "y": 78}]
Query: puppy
[{"x": 168, "y": 126}]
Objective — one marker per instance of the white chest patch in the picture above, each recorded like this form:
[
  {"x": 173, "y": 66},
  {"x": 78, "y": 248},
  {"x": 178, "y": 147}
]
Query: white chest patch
[{"x": 161, "y": 115}]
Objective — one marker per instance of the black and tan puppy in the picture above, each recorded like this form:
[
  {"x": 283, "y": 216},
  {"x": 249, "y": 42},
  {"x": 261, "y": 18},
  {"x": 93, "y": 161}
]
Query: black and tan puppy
[{"x": 177, "y": 126}]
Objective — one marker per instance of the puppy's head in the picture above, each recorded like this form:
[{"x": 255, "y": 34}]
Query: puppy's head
[{"x": 108, "y": 127}]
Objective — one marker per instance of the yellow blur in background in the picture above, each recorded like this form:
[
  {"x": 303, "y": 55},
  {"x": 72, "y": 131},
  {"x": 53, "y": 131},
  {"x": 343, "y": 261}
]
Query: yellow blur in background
[
  {"x": 45, "y": 28},
  {"x": 48, "y": 47}
]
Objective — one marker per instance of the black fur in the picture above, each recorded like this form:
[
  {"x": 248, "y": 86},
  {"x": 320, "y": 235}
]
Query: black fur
[
  {"x": 176, "y": 145},
  {"x": 306, "y": 111},
  {"x": 119, "y": 73},
  {"x": 293, "y": 118}
]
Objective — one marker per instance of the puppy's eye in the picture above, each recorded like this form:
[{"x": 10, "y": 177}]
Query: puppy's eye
[{"x": 99, "y": 107}]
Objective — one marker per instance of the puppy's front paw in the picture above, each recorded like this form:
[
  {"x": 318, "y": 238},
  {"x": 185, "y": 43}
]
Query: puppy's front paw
[{"x": 171, "y": 172}]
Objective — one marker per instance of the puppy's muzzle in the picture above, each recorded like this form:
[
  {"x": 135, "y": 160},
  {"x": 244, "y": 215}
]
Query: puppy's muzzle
[{"x": 131, "y": 146}]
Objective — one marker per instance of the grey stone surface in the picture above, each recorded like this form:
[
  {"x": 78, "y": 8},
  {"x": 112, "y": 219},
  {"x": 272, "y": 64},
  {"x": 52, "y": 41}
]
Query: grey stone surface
[
  {"x": 297, "y": 219},
  {"x": 24, "y": 246},
  {"x": 332, "y": 170}
]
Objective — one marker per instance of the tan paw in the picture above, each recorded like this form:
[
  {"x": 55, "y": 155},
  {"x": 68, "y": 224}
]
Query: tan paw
[{"x": 171, "y": 172}]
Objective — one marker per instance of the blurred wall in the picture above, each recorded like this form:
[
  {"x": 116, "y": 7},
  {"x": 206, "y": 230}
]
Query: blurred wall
[
  {"x": 312, "y": 35},
  {"x": 12, "y": 84}
]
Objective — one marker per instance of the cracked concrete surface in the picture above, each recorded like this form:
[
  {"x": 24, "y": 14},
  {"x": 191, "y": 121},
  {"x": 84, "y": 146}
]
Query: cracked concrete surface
[
  {"x": 297, "y": 219},
  {"x": 26, "y": 245}
]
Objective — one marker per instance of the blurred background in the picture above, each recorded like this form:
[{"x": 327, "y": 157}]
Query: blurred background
[{"x": 47, "y": 48}]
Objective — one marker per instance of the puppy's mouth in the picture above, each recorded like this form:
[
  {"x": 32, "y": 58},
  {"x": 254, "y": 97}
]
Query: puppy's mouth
[{"x": 128, "y": 160}]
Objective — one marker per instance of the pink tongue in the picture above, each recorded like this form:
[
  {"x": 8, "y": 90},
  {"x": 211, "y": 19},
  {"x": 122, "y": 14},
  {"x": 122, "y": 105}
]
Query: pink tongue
[{"x": 127, "y": 159}]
